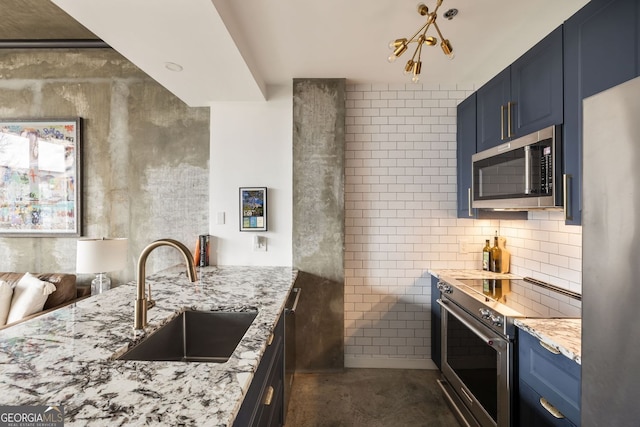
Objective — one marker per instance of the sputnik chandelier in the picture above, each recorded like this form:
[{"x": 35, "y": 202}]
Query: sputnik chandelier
[{"x": 399, "y": 46}]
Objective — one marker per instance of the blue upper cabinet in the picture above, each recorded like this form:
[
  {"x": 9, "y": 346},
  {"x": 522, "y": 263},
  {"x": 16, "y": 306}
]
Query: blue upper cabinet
[
  {"x": 492, "y": 100},
  {"x": 536, "y": 86},
  {"x": 466, "y": 147},
  {"x": 523, "y": 98},
  {"x": 601, "y": 50}
]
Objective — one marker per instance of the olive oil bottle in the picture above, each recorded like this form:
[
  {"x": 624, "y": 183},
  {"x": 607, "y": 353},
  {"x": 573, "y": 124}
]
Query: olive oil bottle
[
  {"x": 496, "y": 256},
  {"x": 486, "y": 256}
]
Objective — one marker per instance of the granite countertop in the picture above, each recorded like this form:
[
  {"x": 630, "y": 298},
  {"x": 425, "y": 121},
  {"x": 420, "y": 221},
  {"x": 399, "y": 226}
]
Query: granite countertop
[
  {"x": 562, "y": 334},
  {"x": 66, "y": 357},
  {"x": 471, "y": 274}
]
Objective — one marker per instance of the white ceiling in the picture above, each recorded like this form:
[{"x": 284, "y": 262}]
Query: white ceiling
[{"x": 232, "y": 50}]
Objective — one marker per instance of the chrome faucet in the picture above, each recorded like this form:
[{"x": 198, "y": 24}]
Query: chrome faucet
[{"x": 143, "y": 303}]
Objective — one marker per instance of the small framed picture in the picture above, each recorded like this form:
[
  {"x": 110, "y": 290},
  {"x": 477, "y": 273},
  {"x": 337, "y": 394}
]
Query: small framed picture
[{"x": 253, "y": 208}]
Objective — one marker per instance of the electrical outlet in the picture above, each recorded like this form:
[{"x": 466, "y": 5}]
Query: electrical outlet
[
  {"x": 464, "y": 245},
  {"x": 259, "y": 244}
]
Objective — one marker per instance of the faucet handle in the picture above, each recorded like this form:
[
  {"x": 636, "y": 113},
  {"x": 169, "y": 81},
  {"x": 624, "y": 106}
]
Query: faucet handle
[{"x": 150, "y": 302}]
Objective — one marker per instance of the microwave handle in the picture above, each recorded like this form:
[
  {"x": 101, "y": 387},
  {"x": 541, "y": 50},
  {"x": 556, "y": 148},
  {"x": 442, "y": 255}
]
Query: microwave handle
[{"x": 527, "y": 169}]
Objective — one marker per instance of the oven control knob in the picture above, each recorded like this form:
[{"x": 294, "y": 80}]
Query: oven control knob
[
  {"x": 485, "y": 313},
  {"x": 496, "y": 320},
  {"x": 445, "y": 287}
]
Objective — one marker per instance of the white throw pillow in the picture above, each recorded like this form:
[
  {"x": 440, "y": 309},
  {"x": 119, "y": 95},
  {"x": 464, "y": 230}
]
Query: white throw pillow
[
  {"x": 29, "y": 297},
  {"x": 6, "y": 292}
]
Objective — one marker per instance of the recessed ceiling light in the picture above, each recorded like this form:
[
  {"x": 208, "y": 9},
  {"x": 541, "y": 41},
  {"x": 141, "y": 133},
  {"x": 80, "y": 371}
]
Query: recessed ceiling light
[
  {"x": 449, "y": 14},
  {"x": 172, "y": 66}
]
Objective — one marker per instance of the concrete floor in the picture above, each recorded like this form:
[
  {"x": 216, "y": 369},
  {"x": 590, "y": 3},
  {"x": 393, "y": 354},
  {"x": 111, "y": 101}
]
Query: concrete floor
[{"x": 369, "y": 398}]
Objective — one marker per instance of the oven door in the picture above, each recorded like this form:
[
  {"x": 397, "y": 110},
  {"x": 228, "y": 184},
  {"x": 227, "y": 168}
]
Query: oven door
[{"x": 476, "y": 364}]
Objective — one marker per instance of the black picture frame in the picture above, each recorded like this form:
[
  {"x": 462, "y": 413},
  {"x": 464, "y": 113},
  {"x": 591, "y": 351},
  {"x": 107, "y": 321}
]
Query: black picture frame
[{"x": 253, "y": 208}]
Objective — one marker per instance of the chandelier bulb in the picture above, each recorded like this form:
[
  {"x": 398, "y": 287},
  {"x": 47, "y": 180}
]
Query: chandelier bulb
[
  {"x": 415, "y": 79},
  {"x": 392, "y": 58}
]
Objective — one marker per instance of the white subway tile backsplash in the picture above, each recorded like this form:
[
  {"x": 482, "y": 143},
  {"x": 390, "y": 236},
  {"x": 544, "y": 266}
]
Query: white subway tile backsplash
[{"x": 400, "y": 219}]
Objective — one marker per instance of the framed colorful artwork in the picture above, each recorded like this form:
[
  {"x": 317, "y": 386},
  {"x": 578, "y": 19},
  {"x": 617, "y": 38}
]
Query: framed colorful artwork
[
  {"x": 40, "y": 177},
  {"x": 253, "y": 208}
]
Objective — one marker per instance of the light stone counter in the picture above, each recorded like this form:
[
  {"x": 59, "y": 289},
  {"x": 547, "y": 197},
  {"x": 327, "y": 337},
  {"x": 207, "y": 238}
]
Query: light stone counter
[
  {"x": 471, "y": 274},
  {"x": 66, "y": 357},
  {"x": 562, "y": 334}
]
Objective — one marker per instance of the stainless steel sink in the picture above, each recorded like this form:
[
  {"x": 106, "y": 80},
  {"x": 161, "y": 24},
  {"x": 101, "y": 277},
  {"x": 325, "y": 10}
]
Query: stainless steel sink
[{"x": 194, "y": 336}]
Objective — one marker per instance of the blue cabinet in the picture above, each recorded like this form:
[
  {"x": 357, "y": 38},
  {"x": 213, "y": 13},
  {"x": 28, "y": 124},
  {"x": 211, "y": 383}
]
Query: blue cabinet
[
  {"x": 523, "y": 98},
  {"x": 536, "y": 86},
  {"x": 531, "y": 414},
  {"x": 263, "y": 405},
  {"x": 549, "y": 385},
  {"x": 466, "y": 147},
  {"x": 601, "y": 50},
  {"x": 492, "y": 100},
  {"x": 436, "y": 343}
]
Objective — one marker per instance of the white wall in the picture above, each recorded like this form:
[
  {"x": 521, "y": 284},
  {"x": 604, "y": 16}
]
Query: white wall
[
  {"x": 251, "y": 146},
  {"x": 400, "y": 201}
]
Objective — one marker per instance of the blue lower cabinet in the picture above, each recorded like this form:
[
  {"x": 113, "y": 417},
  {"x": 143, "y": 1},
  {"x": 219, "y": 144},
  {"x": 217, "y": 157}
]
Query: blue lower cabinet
[
  {"x": 263, "y": 405},
  {"x": 535, "y": 412},
  {"x": 549, "y": 384}
]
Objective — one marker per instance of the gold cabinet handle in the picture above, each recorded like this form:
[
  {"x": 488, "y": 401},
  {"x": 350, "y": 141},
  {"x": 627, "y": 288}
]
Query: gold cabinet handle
[
  {"x": 502, "y": 122},
  {"x": 270, "y": 340},
  {"x": 550, "y": 408},
  {"x": 469, "y": 199},
  {"x": 268, "y": 398},
  {"x": 509, "y": 112},
  {"x": 549, "y": 348}
]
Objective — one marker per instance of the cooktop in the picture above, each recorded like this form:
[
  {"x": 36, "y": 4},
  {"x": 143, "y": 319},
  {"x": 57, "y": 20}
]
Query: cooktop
[{"x": 524, "y": 297}]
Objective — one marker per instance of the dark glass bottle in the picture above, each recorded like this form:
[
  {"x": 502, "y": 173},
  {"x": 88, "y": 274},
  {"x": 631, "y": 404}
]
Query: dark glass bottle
[
  {"x": 486, "y": 256},
  {"x": 496, "y": 256}
]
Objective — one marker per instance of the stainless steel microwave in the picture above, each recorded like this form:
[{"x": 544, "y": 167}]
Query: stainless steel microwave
[{"x": 522, "y": 174}]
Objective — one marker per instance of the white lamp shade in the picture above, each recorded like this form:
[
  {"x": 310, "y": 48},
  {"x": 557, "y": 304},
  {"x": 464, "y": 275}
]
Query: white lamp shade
[{"x": 101, "y": 255}]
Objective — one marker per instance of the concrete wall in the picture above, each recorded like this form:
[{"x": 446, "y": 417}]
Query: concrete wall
[
  {"x": 145, "y": 154},
  {"x": 318, "y": 221}
]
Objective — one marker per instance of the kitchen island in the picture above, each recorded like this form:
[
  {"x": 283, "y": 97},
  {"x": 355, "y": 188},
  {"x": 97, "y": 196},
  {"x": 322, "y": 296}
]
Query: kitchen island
[{"x": 68, "y": 357}]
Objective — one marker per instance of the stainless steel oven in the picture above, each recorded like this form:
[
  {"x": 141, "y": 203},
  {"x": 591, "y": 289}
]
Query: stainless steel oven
[
  {"x": 478, "y": 341},
  {"x": 476, "y": 362}
]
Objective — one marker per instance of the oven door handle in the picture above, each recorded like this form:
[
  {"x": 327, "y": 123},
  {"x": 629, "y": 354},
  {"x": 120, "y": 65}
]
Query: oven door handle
[{"x": 461, "y": 316}]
